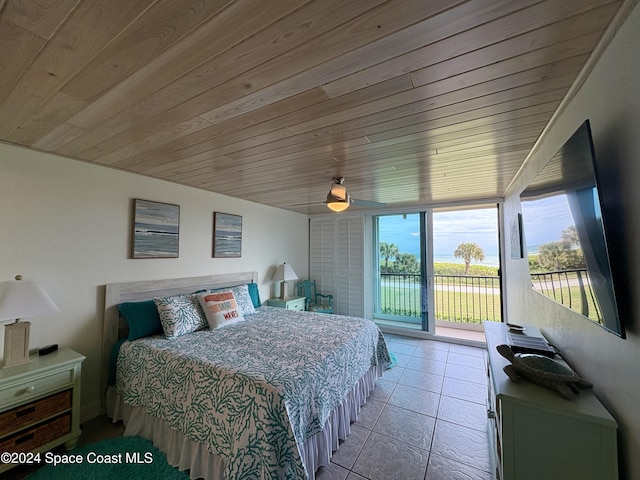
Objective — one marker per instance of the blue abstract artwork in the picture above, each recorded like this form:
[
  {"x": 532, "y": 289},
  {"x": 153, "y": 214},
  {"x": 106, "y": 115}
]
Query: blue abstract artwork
[
  {"x": 227, "y": 235},
  {"x": 156, "y": 229}
]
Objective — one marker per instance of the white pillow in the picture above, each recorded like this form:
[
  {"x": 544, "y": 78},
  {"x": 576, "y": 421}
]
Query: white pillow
[
  {"x": 220, "y": 308},
  {"x": 179, "y": 314},
  {"x": 243, "y": 298}
]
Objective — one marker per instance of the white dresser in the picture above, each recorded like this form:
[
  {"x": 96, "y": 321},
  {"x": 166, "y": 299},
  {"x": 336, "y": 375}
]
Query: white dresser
[{"x": 537, "y": 435}]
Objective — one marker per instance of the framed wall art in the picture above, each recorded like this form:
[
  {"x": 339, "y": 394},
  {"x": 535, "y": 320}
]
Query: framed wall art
[
  {"x": 517, "y": 246},
  {"x": 156, "y": 229},
  {"x": 227, "y": 235}
]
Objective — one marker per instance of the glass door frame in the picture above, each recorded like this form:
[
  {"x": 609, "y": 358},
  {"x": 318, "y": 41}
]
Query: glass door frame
[
  {"x": 427, "y": 313},
  {"x": 429, "y": 318}
]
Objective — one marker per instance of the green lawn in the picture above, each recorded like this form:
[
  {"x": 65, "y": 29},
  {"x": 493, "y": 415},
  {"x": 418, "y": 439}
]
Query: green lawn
[
  {"x": 451, "y": 305},
  {"x": 475, "y": 298},
  {"x": 459, "y": 307},
  {"x": 464, "y": 304},
  {"x": 471, "y": 298},
  {"x": 571, "y": 298}
]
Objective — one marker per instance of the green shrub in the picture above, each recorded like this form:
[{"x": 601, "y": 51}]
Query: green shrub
[{"x": 445, "y": 268}]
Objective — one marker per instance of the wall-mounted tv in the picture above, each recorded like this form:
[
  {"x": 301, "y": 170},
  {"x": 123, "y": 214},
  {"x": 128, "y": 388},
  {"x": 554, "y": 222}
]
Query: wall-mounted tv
[{"x": 565, "y": 233}]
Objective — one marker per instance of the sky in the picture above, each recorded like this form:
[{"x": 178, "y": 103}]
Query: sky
[
  {"x": 543, "y": 220},
  {"x": 450, "y": 229},
  {"x": 404, "y": 232}
]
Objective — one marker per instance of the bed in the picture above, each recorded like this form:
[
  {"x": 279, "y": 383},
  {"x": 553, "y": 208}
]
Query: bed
[{"x": 267, "y": 397}]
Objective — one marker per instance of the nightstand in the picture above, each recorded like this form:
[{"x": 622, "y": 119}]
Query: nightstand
[
  {"x": 295, "y": 303},
  {"x": 40, "y": 404}
]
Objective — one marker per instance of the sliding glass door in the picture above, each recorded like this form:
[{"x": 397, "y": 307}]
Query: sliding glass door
[
  {"x": 437, "y": 270},
  {"x": 466, "y": 268},
  {"x": 400, "y": 253}
]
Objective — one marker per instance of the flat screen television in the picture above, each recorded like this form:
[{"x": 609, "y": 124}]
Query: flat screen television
[{"x": 564, "y": 231}]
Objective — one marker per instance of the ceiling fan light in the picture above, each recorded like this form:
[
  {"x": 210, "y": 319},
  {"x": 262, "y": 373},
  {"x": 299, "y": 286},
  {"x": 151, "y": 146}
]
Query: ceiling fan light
[{"x": 337, "y": 204}]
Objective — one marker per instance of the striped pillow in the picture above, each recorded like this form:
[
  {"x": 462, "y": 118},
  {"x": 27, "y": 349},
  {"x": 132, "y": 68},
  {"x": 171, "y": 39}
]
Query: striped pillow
[{"x": 220, "y": 308}]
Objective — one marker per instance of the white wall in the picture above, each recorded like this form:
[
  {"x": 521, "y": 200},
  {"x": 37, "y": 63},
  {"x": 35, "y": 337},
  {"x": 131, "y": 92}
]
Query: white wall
[
  {"x": 610, "y": 100},
  {"x": 67, "y": 225}
]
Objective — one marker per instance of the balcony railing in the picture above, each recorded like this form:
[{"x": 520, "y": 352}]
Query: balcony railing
[
  {"x": 400, "y": 295},
  {"x": 571, "y": 288},
  {"x": 458, "y": 298},
  {"x": 467, "y": 299},
  {"x": 474, "y": 299}
]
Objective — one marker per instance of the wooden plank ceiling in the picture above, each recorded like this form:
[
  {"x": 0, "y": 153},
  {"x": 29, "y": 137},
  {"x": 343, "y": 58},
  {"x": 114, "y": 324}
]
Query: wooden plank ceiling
[{"x": 413, "y": 101}]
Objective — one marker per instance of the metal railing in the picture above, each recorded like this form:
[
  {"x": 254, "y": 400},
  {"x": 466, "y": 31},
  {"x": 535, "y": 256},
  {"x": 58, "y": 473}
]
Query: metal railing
[
  {"x": 571, "y": 288},
  {"x": 400, "y": 295},
  {"x": 458, "y": 298},
  {"x": 474, "y": 299},
  {"x": 467, "y": 299}
]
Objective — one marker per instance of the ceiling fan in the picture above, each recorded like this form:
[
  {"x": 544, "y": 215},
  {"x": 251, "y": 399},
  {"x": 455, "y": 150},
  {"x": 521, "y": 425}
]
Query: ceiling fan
[{"x": 338, "y": 199}]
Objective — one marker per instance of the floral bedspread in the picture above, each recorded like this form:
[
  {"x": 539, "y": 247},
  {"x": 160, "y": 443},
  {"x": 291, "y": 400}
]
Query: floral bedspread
[{"x": 253, "y": 392}]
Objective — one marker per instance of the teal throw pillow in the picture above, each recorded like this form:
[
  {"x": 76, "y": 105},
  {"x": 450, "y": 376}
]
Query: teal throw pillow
[
  {"x": 142, "y": 318},
  {"x": 254, "y": 293}
]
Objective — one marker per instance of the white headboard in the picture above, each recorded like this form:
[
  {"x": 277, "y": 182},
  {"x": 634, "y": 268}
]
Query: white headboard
[{"x": 114, "y": 327}]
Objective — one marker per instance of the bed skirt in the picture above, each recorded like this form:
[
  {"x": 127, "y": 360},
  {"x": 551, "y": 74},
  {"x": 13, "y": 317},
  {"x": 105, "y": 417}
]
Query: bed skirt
[{"x": 193, "y": 456}]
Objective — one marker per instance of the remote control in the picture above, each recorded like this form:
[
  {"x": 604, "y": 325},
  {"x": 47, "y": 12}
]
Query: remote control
[{"x": 48, "y": 349}]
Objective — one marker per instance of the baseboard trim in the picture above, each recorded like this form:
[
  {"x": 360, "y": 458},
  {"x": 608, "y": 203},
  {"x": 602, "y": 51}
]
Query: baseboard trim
[
  {"x": 407, "y": 332},
  {"x": 90, "y": 411}
]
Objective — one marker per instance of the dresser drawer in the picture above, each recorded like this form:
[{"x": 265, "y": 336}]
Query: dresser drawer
[
  {"x": 33, "y": 438},
  {"x": 33, "y": 388},
  {"x": 288, "y": 303},
  {"x": 296, "y": 305},
  {"x": 40, "y": 404},
  {"x": 34, "y": 412}
]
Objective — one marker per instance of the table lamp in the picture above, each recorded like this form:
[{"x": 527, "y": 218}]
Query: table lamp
[
  {"x": 283, "y": 273},
  {"x": 21, "y": 299}
]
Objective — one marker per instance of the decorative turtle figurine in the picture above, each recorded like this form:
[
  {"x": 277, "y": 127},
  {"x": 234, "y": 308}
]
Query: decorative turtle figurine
[{"x": 542, "y": 371}]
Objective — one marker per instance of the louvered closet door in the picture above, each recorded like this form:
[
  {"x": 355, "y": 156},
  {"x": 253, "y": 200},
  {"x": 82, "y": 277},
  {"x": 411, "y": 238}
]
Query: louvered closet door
[
  {"x": 321, "y": 255},
  {"x": 337, "y": 261}
]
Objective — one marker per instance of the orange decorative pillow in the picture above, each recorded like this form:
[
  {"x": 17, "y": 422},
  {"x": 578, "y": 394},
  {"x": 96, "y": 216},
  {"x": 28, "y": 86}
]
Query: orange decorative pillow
[{"x": 220, "y": 308}]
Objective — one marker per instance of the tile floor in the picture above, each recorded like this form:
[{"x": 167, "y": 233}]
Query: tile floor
[{"x": 426, "y": 419}]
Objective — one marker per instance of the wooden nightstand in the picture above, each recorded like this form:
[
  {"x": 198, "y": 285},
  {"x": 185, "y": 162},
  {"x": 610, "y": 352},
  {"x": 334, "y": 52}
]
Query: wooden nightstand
[
  {"x": 40, "y": 404},
  {"x": 296, "y": 303}
]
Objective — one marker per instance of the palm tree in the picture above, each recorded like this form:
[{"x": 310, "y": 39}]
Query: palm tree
[
  {"x": 469, "y": 251},
  {"x": 388, "y": 250},
  {"x": 557, "y": 256},
  {"x": 407, "y": 263},
  {"x": 570, "y": 235}
]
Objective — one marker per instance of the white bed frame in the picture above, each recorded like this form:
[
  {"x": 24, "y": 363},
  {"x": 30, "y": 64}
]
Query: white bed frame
[{"x": 115, "y": 327}]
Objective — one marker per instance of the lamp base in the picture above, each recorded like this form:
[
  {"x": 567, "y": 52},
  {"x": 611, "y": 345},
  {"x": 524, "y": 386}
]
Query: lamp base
[
  {"x": 282, "y": 288},
  {"x": 16, "y": 344}
]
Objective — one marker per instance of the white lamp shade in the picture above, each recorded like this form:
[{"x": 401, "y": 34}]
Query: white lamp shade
[
  {"x": 284, "y": 272},
  {"x": 338, "y": 205},
  {"x": 24, "y": 299}
]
